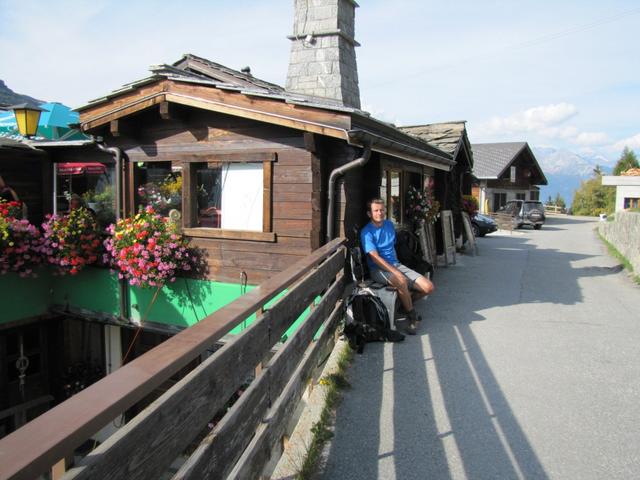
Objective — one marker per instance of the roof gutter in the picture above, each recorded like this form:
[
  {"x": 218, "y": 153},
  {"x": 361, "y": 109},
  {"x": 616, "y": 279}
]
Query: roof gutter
[
  {"x": 401, "y": 150},
  {"x": 358, "y": 162}
]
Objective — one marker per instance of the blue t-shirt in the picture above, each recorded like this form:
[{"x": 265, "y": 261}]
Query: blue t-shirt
[{"x": 381, "y": 240}]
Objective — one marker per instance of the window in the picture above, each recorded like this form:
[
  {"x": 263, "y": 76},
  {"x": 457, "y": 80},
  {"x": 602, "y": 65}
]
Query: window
[
  {"x": 499, "y": 200},
  {"x": 159, "y": 185},
  {"x": 631, "y": 203},
  {"x": 391, "y": 192},
  {"x": 521, "y": 196},
  {"x": 534, "y": 195},
  {"x": 93, "y": 182},
  {"x": 230, "y": 196}
]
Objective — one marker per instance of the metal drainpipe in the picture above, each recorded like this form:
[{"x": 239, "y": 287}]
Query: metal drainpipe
[
  {"x": 358, "y": 162},
  {"x": 122, "y": 284}
]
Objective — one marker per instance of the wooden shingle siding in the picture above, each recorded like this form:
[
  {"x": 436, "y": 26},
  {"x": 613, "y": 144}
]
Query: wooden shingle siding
[{"x": 199, "y": 136}]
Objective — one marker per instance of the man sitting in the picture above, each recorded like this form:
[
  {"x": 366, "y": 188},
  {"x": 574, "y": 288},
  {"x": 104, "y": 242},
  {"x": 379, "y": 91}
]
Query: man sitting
[{"x": 378, "y": 243}]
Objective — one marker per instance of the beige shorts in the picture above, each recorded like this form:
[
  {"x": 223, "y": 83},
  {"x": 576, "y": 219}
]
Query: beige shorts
[{"x": 382, "y": 276}]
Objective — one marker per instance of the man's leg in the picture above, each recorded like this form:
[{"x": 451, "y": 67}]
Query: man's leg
[
  {"x": 421, "y": 288},
  {"x": 401, "y": 284}
]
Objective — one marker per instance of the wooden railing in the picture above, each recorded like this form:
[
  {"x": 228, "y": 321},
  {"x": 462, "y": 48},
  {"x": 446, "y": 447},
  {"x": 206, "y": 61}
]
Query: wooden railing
[
  {"x": 505, "y": 221},
  {"x": 241, "y": 443},
  {"x": 554, "y": 209}
]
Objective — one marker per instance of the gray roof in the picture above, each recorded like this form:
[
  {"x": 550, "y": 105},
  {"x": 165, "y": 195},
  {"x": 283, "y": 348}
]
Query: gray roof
[
  {"x": 446, "y": 136},
  {"x": 450, "y": 137},
  {"x": 15, "y": 143},
  {"x": 193, "y": 69},
  {"x": 490, "y": 160}
]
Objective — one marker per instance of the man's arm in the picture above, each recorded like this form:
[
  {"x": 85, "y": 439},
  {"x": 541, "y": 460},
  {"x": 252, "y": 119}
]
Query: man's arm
[{"x": 383, "y": 264}]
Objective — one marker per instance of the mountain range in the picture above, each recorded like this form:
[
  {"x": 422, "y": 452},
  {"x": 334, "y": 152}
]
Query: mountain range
[
  {"x": 8, "y": 97},
  {"x": 565, "y": 170}
]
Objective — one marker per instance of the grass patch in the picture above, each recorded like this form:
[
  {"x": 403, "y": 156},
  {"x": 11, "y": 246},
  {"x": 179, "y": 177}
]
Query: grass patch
[
  {"x": 613, "y": 251},
  {"x": 334, "y": 383}
]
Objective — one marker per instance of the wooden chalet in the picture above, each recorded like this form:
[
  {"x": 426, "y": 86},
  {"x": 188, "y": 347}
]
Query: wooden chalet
[
  {"x": 262, "y": 179},
  {"x": 505, "y": 171},
  {"x": 255, "y": 162},
  {"x": 449, "y": 187}
]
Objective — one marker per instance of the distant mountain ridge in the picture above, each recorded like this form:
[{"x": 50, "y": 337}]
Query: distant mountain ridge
[
  {"x": 8, "y": 97},
  {"x": 565, "y": 170}
]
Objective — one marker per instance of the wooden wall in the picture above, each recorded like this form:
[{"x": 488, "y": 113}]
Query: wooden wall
[
  {"x": 192, "y": 135},
  {"x": 352, "y": 189},
  {"x": 26, "y": 173}
]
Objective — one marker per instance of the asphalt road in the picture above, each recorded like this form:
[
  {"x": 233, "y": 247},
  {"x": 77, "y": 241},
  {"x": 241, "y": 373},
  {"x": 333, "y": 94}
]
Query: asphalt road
[{"x": 526, "y": 365}]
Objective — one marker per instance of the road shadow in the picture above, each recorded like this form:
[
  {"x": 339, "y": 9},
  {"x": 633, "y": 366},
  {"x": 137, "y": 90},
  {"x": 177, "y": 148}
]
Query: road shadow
[{"x": 432, "y": 406}]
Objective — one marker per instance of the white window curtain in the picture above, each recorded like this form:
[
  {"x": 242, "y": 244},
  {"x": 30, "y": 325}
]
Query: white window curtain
[{"x": 242, "y": 193}]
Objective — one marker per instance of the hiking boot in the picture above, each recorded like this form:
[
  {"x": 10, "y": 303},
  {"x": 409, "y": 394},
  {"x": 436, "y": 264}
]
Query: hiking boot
[
  {"x": 406, "y": 326},
  {"x": 403, "y": 311},
  {"x": 414, "y": 317}
]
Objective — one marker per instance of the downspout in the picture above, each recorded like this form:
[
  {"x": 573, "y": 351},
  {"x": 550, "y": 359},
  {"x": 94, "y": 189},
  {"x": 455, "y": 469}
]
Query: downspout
[
  {"x": 358, "y": 162},
  {"x": 123, "y": 291}
]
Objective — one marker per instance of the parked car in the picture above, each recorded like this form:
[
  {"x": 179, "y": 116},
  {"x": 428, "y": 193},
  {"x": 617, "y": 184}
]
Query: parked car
[
  {"x": 481, "y": 225},
  {"x": 525, "y": 212}
]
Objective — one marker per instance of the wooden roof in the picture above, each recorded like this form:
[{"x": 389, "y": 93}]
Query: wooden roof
[
  {"x": 200, "y": 83},
  {"x": 491, "y": 160}
]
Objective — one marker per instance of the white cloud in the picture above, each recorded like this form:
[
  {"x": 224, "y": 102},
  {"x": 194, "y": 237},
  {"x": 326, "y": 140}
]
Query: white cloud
[
  {"x": 541, "y": 124},
  {"x": 631, "y": 142},
  {"x": 566, "y": 133},
  {"x": 535, "y": 119},
  {"x": 591, "y": 138}
]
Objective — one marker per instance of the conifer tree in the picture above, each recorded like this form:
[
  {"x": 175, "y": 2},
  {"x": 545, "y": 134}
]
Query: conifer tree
[{"x": 627, "y": 160}]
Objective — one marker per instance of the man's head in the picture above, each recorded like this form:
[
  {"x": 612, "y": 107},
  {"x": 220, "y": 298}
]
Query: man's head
[
  {"x": 376, "y": 210},
  {"x": 75, "y": 202}
]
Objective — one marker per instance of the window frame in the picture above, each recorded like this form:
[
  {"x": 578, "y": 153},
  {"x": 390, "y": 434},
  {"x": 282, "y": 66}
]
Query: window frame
[
  {"x": 630, "y": 203},
  {"x": 386, "y": 174},
  {"x": 190, "y": 202}
]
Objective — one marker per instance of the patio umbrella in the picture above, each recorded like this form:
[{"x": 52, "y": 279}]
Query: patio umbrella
[
  {"x": 90, "y": 168},
  {"x": 53, "y": 125}
]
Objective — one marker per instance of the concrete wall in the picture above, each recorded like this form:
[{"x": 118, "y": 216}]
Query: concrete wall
[{"x": 624, "y": 234}]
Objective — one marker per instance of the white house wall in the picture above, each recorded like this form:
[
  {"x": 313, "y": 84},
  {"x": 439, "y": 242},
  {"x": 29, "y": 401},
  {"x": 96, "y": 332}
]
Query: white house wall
[
  {"x": 626, "y": 187},
  {"x": 487, "y": 193}
]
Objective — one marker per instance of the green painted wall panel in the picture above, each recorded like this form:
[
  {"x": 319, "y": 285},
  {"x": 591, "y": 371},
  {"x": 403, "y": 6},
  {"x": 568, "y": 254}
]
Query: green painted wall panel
[
  {"x": 94, "y": 289},
  {"x": 182, "y": 303},
  {"x": 23, "y": 297}
]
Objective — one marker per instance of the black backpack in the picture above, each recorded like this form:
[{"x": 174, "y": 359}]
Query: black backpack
[
  {"x": 408, "y": 251},
  {"x": 367, "y": 320}
]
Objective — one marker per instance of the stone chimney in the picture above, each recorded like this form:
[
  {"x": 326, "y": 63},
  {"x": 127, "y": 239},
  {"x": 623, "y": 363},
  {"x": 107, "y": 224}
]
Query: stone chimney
[{"x": 323, "y": 55}]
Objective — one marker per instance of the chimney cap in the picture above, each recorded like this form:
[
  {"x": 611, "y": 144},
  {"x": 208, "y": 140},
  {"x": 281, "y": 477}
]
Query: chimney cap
[{"x": 246, "y": 70}]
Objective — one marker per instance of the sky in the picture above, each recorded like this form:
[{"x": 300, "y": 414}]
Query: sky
[{"x": 562, "y": 74}]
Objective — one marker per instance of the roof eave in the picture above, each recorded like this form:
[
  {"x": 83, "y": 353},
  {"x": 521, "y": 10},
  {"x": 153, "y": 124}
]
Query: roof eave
[{"x": 397, "y": 149}]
